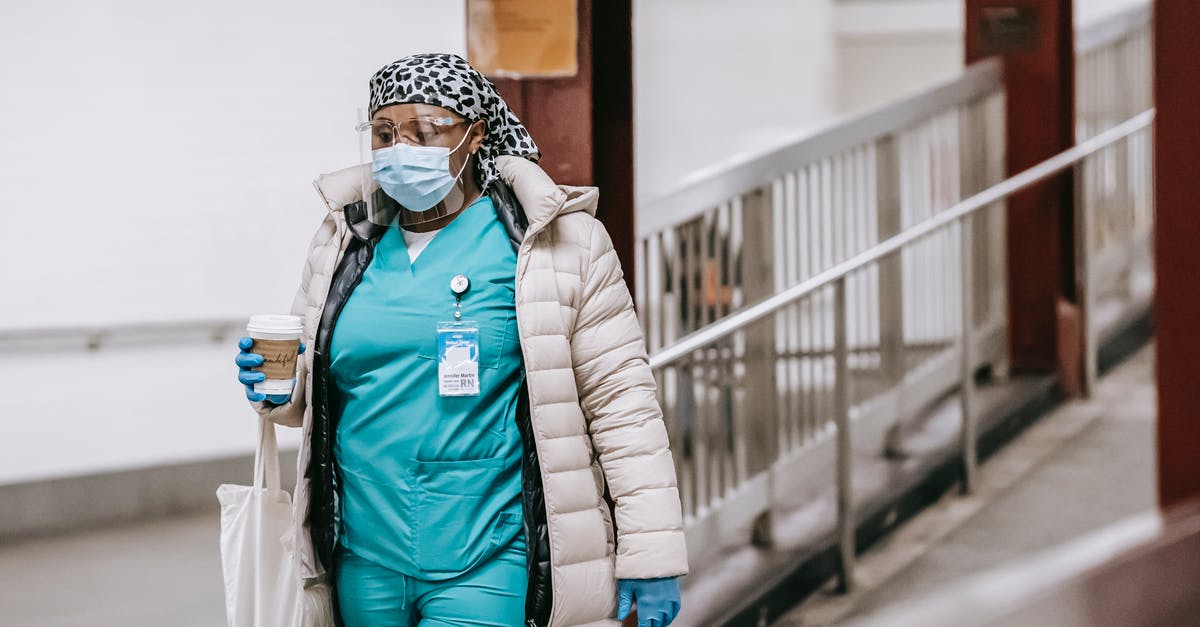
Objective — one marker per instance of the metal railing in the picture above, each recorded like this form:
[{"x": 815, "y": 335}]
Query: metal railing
[
  {"x": 129, "y": 334},
  {"x": 768, "y": 330},
  {"x": 696, "y": 350},
  {"x": 857, "y": 276},
  {"x": 1114, "y": 191}
]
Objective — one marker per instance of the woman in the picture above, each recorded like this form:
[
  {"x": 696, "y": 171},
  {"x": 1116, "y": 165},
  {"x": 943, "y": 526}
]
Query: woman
[{"x": 477, "y": 380}]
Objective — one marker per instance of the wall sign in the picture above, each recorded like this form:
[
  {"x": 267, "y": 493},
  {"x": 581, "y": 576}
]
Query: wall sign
[
  {"x": 523, "y": 38},
  {"x": 1008, "y": 29}
]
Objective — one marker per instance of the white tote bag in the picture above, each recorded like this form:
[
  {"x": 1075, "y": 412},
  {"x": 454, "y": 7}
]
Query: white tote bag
[{"x": 261, "y": 586}]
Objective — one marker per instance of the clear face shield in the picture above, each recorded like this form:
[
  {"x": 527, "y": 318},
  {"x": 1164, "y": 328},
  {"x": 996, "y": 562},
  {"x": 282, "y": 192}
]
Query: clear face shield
[{"x": 418, "y": 166}]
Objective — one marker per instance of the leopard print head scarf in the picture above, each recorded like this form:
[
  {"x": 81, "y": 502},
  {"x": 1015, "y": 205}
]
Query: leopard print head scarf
[{"x": 448, "y": 81}]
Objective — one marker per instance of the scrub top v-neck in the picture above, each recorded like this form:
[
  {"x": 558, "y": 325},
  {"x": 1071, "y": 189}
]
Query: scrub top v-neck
[{"x": 431, "y": 485}]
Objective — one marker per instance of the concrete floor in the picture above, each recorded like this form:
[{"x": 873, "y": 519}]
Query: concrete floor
[
  {"x": 157, "y": 574},
  {"x": 1088, "y": 465}
]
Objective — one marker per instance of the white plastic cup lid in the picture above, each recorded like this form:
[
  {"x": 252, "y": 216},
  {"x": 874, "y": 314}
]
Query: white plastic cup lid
[
  {"x": 274, "y": 386},
  {"x": 275, "y": 323}
]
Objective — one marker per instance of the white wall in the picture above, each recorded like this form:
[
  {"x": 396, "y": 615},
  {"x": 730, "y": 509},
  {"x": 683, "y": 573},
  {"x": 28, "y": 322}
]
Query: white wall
[
  {"x": 888, "y": 48},
  {"x": 156, "y": 160},
  {"x": 1090, "y": 11},
  {"x": 715, "y": 78},
  {"x": 158, "y": 156}
]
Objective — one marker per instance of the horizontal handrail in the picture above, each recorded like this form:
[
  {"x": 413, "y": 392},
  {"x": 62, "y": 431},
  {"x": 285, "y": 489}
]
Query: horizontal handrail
[
  {"x": 93, "y": 336},
  {"x": 1111, "y": 28},
  {"x": 706, "y": 188},
  {"x": 737, "y": 321}
]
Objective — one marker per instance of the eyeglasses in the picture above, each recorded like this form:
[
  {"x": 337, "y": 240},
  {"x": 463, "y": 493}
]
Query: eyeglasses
[{"x": 419, "y": 131}]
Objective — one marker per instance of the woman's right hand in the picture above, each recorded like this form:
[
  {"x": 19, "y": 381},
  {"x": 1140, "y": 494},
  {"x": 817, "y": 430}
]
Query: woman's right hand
[{"x": 246, "y": 361}]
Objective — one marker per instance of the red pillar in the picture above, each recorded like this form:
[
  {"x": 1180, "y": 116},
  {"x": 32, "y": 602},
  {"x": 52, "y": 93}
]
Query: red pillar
[
  {"x": 584, "y": 124},
  {"x": 1036, "y": 38},
  {"x": 1177, "y": 247}
]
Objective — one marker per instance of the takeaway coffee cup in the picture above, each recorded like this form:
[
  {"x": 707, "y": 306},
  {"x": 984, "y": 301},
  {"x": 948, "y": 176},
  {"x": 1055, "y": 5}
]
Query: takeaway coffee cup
[{"x": 277, "y": 339}]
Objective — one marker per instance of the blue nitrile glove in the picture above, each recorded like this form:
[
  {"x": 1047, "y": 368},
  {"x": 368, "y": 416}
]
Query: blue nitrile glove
[
  {"x": 657, "y": 600},
  {"x": 247, "y": 377}
]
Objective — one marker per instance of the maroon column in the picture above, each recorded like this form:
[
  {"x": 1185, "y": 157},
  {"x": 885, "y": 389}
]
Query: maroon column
[
  {"x": 1177, "y": 247},
  {"x": 584, "y": 124},
  {"x": 1036, "y": 40}
]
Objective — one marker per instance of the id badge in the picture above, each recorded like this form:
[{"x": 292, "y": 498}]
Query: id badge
[{"x": 458, "y": 358}]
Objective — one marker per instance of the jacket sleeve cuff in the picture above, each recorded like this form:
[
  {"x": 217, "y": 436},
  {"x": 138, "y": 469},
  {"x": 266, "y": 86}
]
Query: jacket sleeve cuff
[{"x": 652, "y": 555}]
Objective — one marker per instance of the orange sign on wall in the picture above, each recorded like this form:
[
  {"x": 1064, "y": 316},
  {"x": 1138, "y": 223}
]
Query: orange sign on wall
[{"x": 523, "y": 38}]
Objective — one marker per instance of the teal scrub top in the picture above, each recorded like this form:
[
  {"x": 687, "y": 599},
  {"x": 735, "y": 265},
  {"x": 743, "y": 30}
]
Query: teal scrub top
[{"x": 431, "y": 485}]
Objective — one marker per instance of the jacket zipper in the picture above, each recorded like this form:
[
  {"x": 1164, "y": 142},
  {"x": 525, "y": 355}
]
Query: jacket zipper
[{"x": 523, "y": 254}]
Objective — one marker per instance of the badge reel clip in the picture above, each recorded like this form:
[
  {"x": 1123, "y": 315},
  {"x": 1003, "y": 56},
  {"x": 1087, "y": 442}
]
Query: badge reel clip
[{"x": 458, "y": 348}]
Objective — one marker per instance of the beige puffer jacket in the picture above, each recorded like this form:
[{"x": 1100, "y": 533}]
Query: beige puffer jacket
[{"x": 592, "y": 396}]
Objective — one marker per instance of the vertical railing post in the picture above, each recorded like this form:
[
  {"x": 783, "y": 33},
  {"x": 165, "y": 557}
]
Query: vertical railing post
[
  {"x": 756, "y": 422},
  {"x": 970, "y": 146},
  {"x": 1084, "y": 278},
  {"x": 967, "y": 354},
  {"x": 1120, "y": 78},
  {"x": 973, "y": 178},
  {"x": 994, "y": 221},
  {"x": 891, "y": 286},
  {"x": 845, "y": 449}
]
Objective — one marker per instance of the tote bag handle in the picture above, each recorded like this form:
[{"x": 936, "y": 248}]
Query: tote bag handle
[{"x": 266, "y": 457}]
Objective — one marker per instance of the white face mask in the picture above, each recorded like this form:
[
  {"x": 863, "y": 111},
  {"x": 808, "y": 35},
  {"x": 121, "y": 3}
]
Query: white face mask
[{"x": 417, "y": 177}]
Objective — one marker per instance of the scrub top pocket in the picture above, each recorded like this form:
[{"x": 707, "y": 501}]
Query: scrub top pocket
[
  {"x": 451, "y": 535},
  {"x": 376, "y": 520}
]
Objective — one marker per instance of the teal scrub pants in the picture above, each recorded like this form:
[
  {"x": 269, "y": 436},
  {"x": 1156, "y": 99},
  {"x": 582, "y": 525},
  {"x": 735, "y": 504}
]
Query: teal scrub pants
[{"x": 491, "y": 594}]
